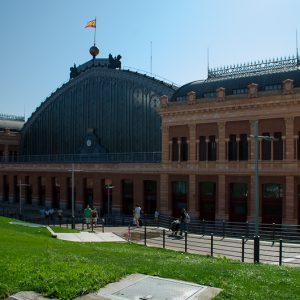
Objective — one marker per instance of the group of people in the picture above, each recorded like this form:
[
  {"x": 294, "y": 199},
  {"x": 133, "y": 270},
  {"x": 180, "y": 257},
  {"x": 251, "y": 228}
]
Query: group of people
[
  {"x": 181, "y": 223},
  {"x": 91, "y": 216},
  {"x": 137, "y": 212},
  {"x": 49, "y": 214}
]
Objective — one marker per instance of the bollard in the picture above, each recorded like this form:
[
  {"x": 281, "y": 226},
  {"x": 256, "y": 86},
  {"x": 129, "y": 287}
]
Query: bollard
[
  {"x": 185, "y": 241},
  {"x": 129, "y": 233},
  {"x": 203, "y": 227},
  {"x": 223, "y": 228},
  {"x": 280, "y": 252},
  {"x": 243, "y": 248},
  {"x": 256, "y": 249},
  {"x": 164, "y": 238},
  {"x": 273, "y": 232},
  {"x": 247, "y": 229},
  {"x": 211, "y": 244}
]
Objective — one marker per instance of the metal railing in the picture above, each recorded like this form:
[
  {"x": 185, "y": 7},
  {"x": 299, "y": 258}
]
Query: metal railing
[
  {"x": 251, "y": 250},
  {"x": 128, "y": 157}
]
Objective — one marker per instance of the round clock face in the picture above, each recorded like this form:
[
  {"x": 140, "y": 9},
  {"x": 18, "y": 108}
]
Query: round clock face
[{"x": 89, "y": 143}]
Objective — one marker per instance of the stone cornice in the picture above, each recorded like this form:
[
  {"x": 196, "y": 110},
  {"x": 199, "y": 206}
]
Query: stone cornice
[{"x": 203, "y": 112}]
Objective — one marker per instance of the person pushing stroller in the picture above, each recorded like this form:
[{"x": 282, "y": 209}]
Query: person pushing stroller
[{"x": 175, "y": 226}]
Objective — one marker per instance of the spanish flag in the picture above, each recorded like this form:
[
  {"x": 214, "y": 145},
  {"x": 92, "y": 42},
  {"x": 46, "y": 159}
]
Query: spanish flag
[{"x": 91, "y": 24}]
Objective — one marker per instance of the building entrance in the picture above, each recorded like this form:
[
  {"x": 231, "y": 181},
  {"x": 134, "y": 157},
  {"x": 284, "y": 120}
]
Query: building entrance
[
  {"x": 179, "y": 197},
  {"x": 207, "y": 201},
  {"x": 238, "y": 202},
  {"x": 272, "y": 195}
]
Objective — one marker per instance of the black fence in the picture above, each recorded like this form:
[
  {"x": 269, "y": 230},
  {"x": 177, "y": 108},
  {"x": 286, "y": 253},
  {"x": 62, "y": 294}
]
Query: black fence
[{"x": 251, "y": 250}]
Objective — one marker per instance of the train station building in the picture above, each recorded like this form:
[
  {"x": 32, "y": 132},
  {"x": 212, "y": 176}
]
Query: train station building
[{"x": 113, "y": 138}]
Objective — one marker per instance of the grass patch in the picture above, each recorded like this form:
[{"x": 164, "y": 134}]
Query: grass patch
[{"x": 31, "y": 260}]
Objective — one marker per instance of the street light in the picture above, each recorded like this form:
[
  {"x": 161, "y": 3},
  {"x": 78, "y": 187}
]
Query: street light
[
  {"x": 108, "y": 187},
  {"x": 256, "y": 171},
  {"x": 73, "y": 196},
  {"x": 20, "y": 192}
]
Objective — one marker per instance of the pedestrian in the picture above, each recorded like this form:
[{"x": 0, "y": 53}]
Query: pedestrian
[
  {"x": 94, "y": 217},
  {"x": 87, "y": 215},
  {"x": 137, "y": 215},
  {"x": 51, "y": 214},
  {"x": 47, "y": 215},
  {"x": 183, "y": 221},
  {"x": 156, "y": 216},
  {"x": 59, "y": 215}
]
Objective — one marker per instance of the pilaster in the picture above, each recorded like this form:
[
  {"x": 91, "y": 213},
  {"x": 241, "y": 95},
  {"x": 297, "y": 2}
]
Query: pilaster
[
  {"x": 221, "y": 139},
  {"x": 289, "y": 138},
  {"x": 289, "y": 205},
  {"x": 192, "y": 143},
  {"x": 192, "y": 195},
  {"x": 221, "y": 213},
  {"x": 164, "y": 194},
  {"x": 165, "y": 143}
]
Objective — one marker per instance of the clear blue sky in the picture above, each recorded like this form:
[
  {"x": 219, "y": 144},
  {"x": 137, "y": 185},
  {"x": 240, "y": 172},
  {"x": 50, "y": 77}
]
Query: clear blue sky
[{"x": 41, "y": 39}]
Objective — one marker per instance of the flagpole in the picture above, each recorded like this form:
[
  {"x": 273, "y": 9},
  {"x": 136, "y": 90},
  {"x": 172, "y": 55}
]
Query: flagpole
[{"x": 95, "y": 32}]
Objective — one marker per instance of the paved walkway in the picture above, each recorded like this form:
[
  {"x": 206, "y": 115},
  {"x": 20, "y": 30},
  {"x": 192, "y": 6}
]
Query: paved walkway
[{"x": 90, "y": 237}]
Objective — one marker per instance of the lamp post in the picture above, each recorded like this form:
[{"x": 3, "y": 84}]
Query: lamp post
[
  {"x": 256, "y": 171},
  {"x": 73, "y": 194},
  {"x": 108, "y": 187},
  {"x": 73, "y": 200},
  {"x": 20, "y": 195}
]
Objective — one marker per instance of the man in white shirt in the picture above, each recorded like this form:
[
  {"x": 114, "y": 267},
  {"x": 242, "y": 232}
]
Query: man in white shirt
[{"x": 137, "y": 215}]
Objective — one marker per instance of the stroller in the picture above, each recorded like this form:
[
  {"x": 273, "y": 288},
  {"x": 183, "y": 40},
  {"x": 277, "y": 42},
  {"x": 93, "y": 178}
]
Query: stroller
[{"x": 175, "y": 226}]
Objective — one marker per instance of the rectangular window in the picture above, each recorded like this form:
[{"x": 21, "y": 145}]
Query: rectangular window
[
  {"x": 210, "y": 95},
  {"x": 277, "y": 146},
  {"x": 232, "y": 147},
  {"x": 243, "y": 147},
  {"x": 266, "y": 147},
  {"x": 212, "y": 148},
  {"x": 150, "y": 196},
  {"x": 175, "y": 154},
  {"x": 238, "y": 190},
  {"x": 240, "y": 91},
  {"x": 207, "y": 188},
  {"x": 184, "y": 149},
  {"x": 273, "y": 87},
  {"x": 202, "y": 148}
]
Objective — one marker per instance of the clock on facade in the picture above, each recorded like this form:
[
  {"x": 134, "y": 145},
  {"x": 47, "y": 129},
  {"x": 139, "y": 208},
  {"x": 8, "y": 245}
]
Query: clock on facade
[{"x": 89, "y": 143}]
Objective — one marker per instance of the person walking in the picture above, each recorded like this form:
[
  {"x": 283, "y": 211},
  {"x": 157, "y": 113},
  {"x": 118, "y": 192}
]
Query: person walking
[
  {"x": 156, "y": 216},
  {"x": 87, "y": 215},
  {"x": 94, "y": 217},
  {"x": 59, "y": 215},
  {"x": 137, "y": 215},
  {"x": 182, "y": 220}
]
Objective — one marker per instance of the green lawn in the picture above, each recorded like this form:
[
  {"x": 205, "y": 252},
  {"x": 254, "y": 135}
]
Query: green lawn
[{"x": 31, "y": 260}]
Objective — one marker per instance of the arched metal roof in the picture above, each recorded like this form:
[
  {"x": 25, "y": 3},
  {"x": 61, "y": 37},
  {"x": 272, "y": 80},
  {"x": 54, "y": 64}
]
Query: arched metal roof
[{"x": 117, "y": 107}]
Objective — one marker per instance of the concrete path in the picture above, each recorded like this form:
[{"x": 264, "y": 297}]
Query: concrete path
[{"x": 93, "y": 237}]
